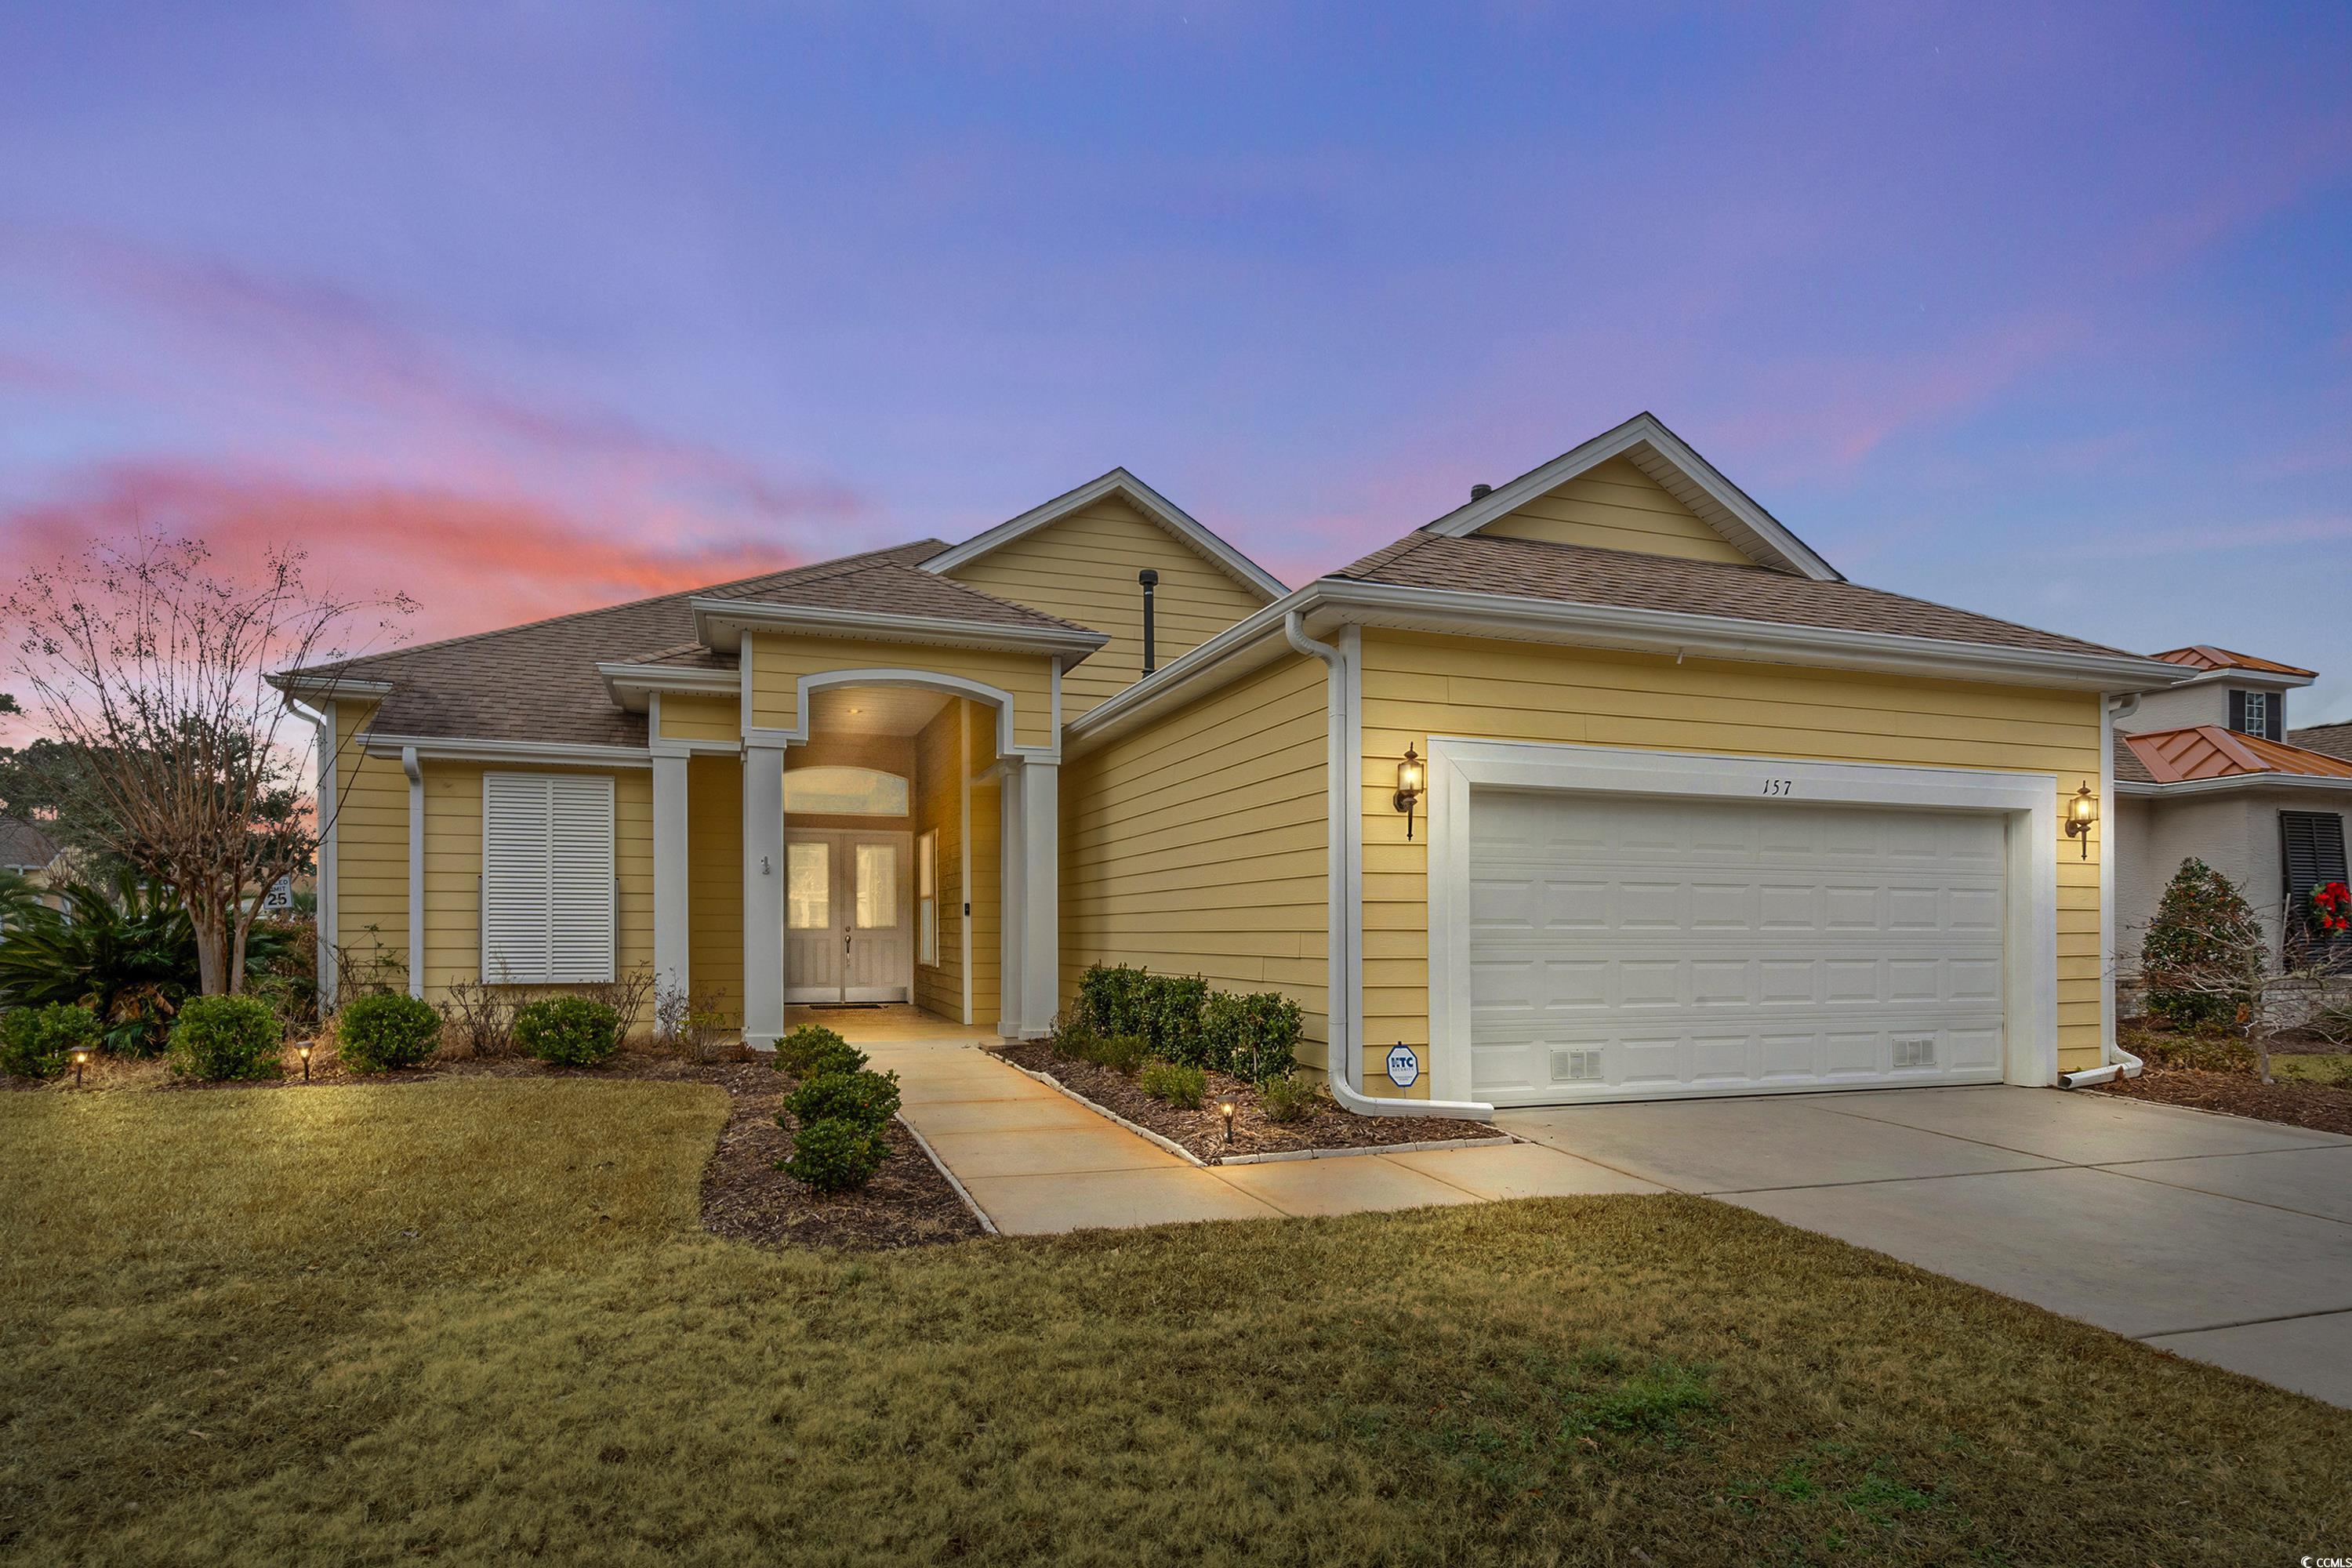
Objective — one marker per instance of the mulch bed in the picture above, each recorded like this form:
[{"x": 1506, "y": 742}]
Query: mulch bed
[
  {"x": 1204, "y": 1132},
  {"x": 744, "y": 1197},
  {"x": 2320, "y": 1107}
]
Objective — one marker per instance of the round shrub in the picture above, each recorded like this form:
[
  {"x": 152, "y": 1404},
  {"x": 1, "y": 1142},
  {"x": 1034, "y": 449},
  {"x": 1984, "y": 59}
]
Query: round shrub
[
  {"x": 37, "y": 1042},
  {"x": 869, "y": 1099},
  {"x": 568, "y": 1031},
  {"x": 384, "y": 1030},
  {"x": 1287, "y": 1098},
  {"x": 813, "y": 1050},
  {"x": 1175, "y": 1084},
  {"x": 221, "y": 1038},
  {"x": 835, "y": 1155}
]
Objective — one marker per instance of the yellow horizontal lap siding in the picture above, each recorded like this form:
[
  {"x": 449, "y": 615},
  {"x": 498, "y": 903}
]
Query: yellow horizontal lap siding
[
  {"x": 1616, "y": 506},
  {"x": 1197, "y": 844},
  {"x": 1083, "y": 568},
  {"x": 938, "y": 809},
  {"x": 453, "y": 870},
  {"x": 370, "y": 849},
  {"x": 698, "y": 717},
  {"x": 777, "y": 661},
  {"x": 1415, "y": 687},
  {"x": 714, "y": 858}
]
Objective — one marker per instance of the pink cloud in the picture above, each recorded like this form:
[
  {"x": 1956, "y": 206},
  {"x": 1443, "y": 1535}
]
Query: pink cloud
[{"x": 473, "y": 562}]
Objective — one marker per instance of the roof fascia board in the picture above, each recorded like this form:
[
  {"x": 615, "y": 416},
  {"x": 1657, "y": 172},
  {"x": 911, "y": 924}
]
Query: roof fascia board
[
  {"x": 461, "y": 749},
  {"x": 1744, "y": 523},
  {"x": 2230, "y": 675},
  {"x": 1331, "y": 601},
  {"x": 730, "y": 616},
  {"x": 295, "y": 684},
  {"x": 2266, "y": 779},
  {"x": 623, "y": 680},
  {"x": 1150, "y": 502},
  {"x": 1666, "y": 631}
]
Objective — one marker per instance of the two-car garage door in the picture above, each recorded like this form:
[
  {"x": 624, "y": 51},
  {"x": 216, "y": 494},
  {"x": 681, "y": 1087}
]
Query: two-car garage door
[{"x": 1638, "y": 947}]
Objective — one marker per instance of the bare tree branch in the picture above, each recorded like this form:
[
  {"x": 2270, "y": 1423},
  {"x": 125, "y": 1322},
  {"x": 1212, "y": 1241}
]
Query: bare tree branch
[{"x": 148, "y": 666}]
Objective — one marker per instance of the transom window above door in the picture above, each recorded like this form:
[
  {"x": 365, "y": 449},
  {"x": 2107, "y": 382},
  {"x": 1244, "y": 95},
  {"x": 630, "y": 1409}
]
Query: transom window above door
[{"x": 838, "y": 790}]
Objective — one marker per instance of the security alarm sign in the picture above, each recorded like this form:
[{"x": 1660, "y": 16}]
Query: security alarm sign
[{"x": 1404, "y": 1067}]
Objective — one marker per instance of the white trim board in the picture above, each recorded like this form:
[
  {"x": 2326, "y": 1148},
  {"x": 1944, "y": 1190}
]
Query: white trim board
[
  {"x": 921, "y": 679},
  {"x": 2030, "y": 801},
  {"x": 1682, "y": 472},
  {"x": 1141, "y": 496}
]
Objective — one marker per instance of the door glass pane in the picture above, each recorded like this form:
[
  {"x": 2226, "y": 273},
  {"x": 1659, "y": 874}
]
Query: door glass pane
[
  {"x": 830, "y": 790},
  {"x": 877, "y": 886},
  {"x": 808, "y": 872}
]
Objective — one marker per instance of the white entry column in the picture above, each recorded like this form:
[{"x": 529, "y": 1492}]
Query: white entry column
[
  {"x": 1040, "y": 913},
  {"x": 672, "y": 910},
  {"x": 1012, "y": 883},
  {"x": 763, "y": 895}
]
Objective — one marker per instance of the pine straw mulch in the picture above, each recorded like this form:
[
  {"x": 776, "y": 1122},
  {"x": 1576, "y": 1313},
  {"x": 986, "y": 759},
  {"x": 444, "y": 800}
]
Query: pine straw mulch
[
  {"x": 744, "y": 1197},
  {"x": 1203, "y": 1131},
  {"x": 2320, "y": 1107}
]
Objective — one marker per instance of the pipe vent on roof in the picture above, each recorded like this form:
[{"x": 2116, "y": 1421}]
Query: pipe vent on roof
[
  {"x": 1480, "y": 493},
  {"x": 1150, "y": 579}
]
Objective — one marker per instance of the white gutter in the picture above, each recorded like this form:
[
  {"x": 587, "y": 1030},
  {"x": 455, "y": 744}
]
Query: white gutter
[
  {"x": 2115, "y": 1061},
  {"x": 460, "y": 749},
  {"x": 1343, "y": 977},
  {"x": 1071, "y": 644},
  {"x": 2266, "y": 779}
]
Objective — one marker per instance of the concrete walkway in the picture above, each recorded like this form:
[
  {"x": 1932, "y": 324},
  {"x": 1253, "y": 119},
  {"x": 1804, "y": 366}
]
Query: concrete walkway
[
  {"x": 1038, "y": 1163},
  {"x": 2212, "y": 1236}
]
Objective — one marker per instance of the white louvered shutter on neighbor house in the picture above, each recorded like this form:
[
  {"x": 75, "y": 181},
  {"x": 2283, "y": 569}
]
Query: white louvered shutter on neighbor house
[{"x": 547, "y": 880}]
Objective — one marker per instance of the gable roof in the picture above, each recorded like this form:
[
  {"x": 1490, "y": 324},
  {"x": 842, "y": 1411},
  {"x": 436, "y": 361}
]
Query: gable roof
[
  {"x": 539, "y": 681},
  {"x": 2199, "y": 752},
  {"x": 1136, "y": 493},
  {"x": 1591, "y": 574},
  {"x": 2204, "y": 656},
  {"x": 1682, "y": 472},
  {"x": 24, "y": 844}
]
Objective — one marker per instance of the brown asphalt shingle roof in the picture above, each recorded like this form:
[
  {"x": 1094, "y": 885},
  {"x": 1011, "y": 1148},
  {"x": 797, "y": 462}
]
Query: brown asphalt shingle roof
[
  {"x": 539, "y": 682},
  {"x": 1587, "y": 575},
  {"x": 2334, "y": 740},
  {"x": 24, "y": 844}
]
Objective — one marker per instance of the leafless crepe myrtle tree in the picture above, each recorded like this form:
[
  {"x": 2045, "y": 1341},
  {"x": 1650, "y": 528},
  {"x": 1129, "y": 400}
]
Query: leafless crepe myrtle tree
[{"x": 147, "y": 664}]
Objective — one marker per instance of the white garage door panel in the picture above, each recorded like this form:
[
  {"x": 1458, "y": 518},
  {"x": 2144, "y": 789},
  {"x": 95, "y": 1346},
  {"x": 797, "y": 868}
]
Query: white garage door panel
[{"x": 1632, "y": 947}]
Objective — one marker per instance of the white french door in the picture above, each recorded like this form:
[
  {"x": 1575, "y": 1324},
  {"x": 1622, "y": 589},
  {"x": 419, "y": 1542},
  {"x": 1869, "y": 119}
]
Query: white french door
[{"x": 848, "y": 916}]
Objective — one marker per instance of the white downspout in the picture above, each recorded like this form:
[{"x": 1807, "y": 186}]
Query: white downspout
[
  {"x": 2115, "y": 1062},
  {"x": 1344, "y": 982},
  {"x": 323, "y": 910}
]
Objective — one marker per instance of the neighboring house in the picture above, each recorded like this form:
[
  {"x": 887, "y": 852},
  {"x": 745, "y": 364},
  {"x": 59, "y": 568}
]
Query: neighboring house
[
  {"x": 1697, "y": 815},
  {"x": 2209, "y": 769},
  {"x": 25, "y": 851}
]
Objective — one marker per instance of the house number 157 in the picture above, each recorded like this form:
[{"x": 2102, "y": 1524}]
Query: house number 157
[{"x": 1778, "y": 786}]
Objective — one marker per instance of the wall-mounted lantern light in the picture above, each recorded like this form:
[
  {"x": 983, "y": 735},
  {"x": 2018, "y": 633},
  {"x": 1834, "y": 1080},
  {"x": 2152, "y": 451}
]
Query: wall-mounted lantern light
[
  {"x": 1411, "y": 777},
  {"x": 2081, "y": 812}
]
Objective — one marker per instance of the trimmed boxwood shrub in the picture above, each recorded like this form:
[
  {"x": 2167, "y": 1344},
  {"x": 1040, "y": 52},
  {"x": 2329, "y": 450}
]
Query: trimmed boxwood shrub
[
  {"x": 1162, "y": 1010},
  {"x": 221, "y": 1038},
  {"x": 869, "y": 1099},
  {"x": 1253, "y": 1036},
  {"x": 813, "y": 1050},
  {"x": 37, "y": 1042},
  {"x": 568, "y": 1031},
  {"x": 384, "y": 1030},
  {"x": 835, "y": 1155}
]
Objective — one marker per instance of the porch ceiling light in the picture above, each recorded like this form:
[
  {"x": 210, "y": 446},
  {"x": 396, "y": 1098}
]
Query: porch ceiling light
[
  {"x": 1412, "y": 777},
  {"x": 2081, "y": 812}
]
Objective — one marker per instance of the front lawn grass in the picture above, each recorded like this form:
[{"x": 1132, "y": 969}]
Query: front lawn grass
[{"x": 475, "y": 1320}]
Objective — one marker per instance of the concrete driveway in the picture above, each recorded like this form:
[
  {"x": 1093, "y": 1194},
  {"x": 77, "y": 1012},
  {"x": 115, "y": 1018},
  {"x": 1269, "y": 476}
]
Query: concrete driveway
[{"x": 2215, "y": 1237}]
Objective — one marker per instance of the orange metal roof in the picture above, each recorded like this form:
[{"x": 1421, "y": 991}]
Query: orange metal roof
[
  {"x": 2205, "y": 655},
  {"x": 2211, "y": 751}
]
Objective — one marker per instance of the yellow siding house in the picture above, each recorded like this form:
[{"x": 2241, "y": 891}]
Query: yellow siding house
[{"x": 1602, "y": 786}]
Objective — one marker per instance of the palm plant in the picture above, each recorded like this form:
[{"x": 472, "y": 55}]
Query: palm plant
[{"x": 125, "y": 951}]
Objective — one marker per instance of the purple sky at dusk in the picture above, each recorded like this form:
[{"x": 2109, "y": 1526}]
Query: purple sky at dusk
[{"x": 522, "y": 308}]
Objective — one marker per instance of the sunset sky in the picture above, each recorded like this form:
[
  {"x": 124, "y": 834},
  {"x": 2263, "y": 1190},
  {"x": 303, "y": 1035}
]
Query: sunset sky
[{"x": 525, "y": 308}]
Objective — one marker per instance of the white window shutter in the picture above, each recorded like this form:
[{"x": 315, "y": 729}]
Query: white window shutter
[{"x": 547, "y": 880}]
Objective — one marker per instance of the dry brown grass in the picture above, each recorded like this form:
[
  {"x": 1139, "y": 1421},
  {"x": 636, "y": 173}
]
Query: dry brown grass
[{"x": 474, "y": 1320}]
